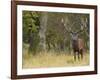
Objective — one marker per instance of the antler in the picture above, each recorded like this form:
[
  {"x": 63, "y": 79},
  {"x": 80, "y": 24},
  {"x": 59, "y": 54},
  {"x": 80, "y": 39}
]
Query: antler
[
  {"x": 83, "y": 25},
  {"x": 66, "y": 28}
]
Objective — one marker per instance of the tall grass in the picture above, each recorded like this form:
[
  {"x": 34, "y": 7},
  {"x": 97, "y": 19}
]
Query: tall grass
[{"x": 52, "y": 59}]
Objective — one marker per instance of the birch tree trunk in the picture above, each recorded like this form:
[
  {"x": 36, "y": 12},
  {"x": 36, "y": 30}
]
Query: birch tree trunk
[{"x": 42, "y": 31}]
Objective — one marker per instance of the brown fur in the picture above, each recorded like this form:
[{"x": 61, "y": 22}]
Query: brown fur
[{"x": 78, "y": 48}]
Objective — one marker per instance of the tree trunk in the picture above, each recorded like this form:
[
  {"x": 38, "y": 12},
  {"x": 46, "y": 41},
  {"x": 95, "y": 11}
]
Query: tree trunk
[{"x": 42, "y": 31}]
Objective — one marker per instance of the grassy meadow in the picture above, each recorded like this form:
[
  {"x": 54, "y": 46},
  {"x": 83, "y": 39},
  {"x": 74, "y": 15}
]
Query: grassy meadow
[{"x": 52, "y": 59}]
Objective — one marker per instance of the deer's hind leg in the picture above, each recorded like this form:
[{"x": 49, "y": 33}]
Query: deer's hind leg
[{"x": 78, "y": 53}]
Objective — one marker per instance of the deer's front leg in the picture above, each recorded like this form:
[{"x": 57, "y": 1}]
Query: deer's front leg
[{"x": 75, "y": 56}]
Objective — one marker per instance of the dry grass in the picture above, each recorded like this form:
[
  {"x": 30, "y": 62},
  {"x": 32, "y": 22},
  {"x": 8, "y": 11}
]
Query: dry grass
[{"x": 52, "y": 59}]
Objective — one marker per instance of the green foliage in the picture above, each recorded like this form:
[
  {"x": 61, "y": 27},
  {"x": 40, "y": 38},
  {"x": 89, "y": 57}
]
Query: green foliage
[{"x": 30, "y": 29}]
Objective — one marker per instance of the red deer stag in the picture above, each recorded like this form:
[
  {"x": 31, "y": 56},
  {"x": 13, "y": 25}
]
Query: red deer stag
[{"x": 77, "y": 43}]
